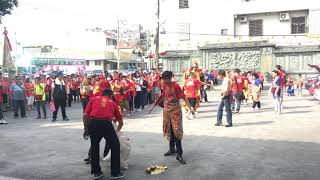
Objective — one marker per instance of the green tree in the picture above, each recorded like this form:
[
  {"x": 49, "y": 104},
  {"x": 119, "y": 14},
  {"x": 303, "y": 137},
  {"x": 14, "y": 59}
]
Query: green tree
[{"x": 6, "y": 6}]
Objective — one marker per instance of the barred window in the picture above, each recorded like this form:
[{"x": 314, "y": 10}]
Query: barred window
[
  {"x": 183, "y": 4},
  {"x": 255, "y": 28},
  {"x": 298, "y": 25}
]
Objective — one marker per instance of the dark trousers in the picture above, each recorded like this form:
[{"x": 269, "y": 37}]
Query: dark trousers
[
  {"x": 256, "y": 103},
  {"x": 144, "y": 98},
  {"x": 99, "y": 129},
  {"x": 19, "y": 104},
  {"x": 48, "y": 97},
  {"x": 204, "y": 95},
  {"x": 41, "y": 105},
  {"x": 1, "y": 111},
  {"x": 69, "y": 99},
  {"x": 74, "y": 95},
  {"x": 225, "y": 102},
  {"x": 84, "y": 102},
  {"x": 62, "y": 104},
  {"x": 137, "y": 100},
  {"x": 193, "y": 102},
  {"x": 105, "y": 152},
  {"x": 236, "y": 103},
  {"x": 131, "y": 103},
  {"x": 150, "y": 101},
  {"x": 175, "y": 143}
]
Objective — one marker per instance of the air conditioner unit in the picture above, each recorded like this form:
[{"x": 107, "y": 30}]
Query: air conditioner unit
[
  {"x": 284, "y": 16},
  {"x": 243, "y": 19}
]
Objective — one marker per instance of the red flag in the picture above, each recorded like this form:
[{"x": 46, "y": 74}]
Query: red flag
[
  {"x": 6, "y": 39},
  {"x": 7, "y": 48}
]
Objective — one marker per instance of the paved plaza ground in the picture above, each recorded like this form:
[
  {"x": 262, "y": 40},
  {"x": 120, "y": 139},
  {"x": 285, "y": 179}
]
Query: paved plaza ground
[{"x": 260, "y": 146}]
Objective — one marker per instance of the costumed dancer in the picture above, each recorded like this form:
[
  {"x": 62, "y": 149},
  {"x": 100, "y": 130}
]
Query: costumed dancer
[{"x": 172, "y": 114}]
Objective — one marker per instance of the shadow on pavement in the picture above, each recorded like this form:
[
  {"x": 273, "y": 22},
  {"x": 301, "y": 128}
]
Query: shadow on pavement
[
  {"x": 253, "y": 123},
  {"x": 296, "y": 112},
  {"x": 57, "y": 153}
]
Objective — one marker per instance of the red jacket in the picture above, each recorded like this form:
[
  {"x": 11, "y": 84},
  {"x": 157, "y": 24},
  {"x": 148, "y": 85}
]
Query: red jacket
[{"x": 102, "y": 107}]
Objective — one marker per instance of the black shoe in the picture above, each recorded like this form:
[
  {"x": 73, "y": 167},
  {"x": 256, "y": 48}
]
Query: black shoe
[
  {"x": 87, "y": 159},
  {"x": 98, "y": 175},
  {"x": 23, "y": 116},
  {"x": 218, "y": 124},
  {"x": 117, "y": 176},
  {"x": 170, "y": 153},
  {"x": 54, "y": 119},
  {"x": 66, "y": 119},
  {"x": 229, "y": 125},
  {"x": 44, "y": 117},
  {"x": 236, "y": 112},
  {"x": 39, "y": 117},
  {"x": 180, "y": 159}
]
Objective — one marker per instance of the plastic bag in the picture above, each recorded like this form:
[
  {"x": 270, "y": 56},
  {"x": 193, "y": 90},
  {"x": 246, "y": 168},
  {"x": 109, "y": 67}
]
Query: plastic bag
[
  {"x": 125, "y": 148},
  {"x": 52, "y": 107}
]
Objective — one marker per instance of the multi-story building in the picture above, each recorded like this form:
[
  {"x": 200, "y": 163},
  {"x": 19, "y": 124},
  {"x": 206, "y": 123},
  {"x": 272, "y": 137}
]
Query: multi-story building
[{"x": 248, "y": 34}]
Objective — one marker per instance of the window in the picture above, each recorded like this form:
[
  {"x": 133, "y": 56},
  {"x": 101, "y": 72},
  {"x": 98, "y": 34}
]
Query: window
[
  {"x": 298, "y": 25},
  {"x": 97, "y": 62},
  {"x": 255, "y": 28},
  {"x": 224, "y": 32},
  {"x": 183, "y": 4}
]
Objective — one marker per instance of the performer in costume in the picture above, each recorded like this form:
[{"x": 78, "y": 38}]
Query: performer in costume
[
  {"x": 172, "y": 114},
  {"x": 197, "y": 72}
]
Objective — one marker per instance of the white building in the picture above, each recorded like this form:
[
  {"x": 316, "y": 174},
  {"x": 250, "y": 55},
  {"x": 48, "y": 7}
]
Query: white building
[{"x": 208, "y": 21}]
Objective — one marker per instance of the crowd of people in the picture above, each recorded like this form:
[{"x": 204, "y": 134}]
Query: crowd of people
[
  {"x": 132, "y": 91},
  {"x": 106, "y": 98}
]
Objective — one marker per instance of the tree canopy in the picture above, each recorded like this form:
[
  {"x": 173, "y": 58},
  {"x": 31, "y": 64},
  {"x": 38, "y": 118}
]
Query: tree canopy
[{"x": 6, "y": 6}]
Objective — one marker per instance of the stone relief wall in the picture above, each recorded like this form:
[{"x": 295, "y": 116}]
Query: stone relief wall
[{"x": 244, "y": 60}]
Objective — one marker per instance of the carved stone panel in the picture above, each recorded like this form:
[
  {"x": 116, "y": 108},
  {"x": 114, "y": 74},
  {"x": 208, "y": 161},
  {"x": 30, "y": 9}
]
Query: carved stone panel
[
  {"x": 248, "y": 60},
  {"x": 244, "y": 60}
]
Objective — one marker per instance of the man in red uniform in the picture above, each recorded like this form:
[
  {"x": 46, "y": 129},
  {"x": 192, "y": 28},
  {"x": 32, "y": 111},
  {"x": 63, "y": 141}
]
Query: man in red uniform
[
  {"x": 74, "y": 88},
  {"x": 155, "y": 78},
  {"x": 191, "y": 87},
  {"x": 237, "y": 86},
  {"x": 104, "y": 83},
  {"x": 5, "y": 93},
  {"x": 98, "y": 117},
  {"x": 2, "y": 121},
  {"x": 118, "y": 88},
  {"x": 126, "y": 93}
]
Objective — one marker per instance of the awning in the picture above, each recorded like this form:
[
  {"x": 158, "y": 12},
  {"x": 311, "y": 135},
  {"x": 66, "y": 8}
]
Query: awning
[{"x": 170, "y": 54}]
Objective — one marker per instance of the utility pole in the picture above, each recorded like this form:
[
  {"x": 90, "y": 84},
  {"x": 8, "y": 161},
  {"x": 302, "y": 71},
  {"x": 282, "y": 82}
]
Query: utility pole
[
  {"x": 118, "y": 45},
  {"x": 157, "y": 36}
]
